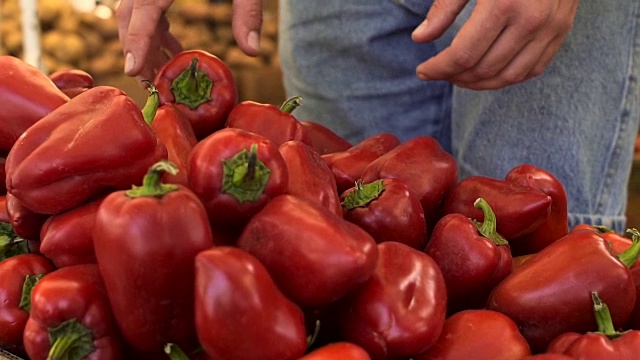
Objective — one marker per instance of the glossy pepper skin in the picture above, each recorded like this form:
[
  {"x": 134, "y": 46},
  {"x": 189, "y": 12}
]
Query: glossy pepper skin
[
  {"x": 18, "y": 275},
  {"x": 277, "y": 124},
  {"x": 387, "y": 210},
  {"x": 70, "y": 314},
  {"x": 309, "y": 177},
  {"x": 478, "y": 334},
  {"x": 240, "y": 312},
  {"x": 176, "y": 133},
  {"x": 27, "y": 96},
  {"x": 72, "y": 82},
  {"x": 145, "y": 242},
  {"x": 399, "y": 311},
  {"x": 605, "y": 343},
  {"x": 338, "y": 350},
  {"x": 66, "y": 238},
  {"x": 347, "y": 165},
  {"x": 25, "y": 222},
  {"x": 330, "y": 255},
  {"x": 556, "y": 225},
  {"x": 324, "y": 140},
  {"x": 551, "y": 293},
  {"x": 201, "y": 86},
  {"x": 422, "y": 164},
  {"x": 473, "y": 257},
  {"x": 235, "y": 173},
  {"x": 96, "y": 142},
  {"x": 519, "y": 209}
]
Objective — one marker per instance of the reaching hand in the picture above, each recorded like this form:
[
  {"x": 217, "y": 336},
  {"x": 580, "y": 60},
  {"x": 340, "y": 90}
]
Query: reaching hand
[{"x": 502, "y": 43}]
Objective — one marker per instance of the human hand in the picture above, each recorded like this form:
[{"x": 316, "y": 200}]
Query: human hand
[
  {"x": 147, "y": 43},
  {"x": 502, "y": 42}
]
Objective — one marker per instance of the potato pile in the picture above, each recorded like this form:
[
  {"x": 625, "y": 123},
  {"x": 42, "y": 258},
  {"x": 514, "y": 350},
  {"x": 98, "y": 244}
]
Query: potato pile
[{"x": 86, "y": 41}]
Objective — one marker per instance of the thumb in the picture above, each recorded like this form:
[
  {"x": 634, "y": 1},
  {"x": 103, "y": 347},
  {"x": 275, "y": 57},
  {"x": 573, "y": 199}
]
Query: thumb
[
  {"x": 439, "y": 18},
  {"x": 246, "y": 25}
]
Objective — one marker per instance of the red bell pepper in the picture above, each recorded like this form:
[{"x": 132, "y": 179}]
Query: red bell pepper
[
  {"x": 201, "y": 86},
  {"x": 314, "y": 256},
  {"x": 72, "y": 82},
  {"x": 274, "y": 123},
  {"x": 478, "y": 334},
  {"x": 551, "y": 293},
  {"x": 473, "y": 257},
  {"x": 241, "y": 313},
  {"x": 59, "y": 162},
  {"x": 176, "y": 133},
  {"x": 18, "y": 275},
  {"x": 309, "y": 177},
  {"x": 71, "y": 317},
  {"x": 347, "y": 165},
  {"x": 400, "y": 311},
  {"x": 66, "y": 238},
  {"x": 145, "y": 241},
  {"x": 10, "y": 243},
  {"x": 422, "y": 164},
  {"x": 3, "y": 176},
  {"x": 339, "y": 350},
  {"x": 387, "y": 210},
  {"x": 235, "y": 173},
  {"x": 25, "y": 223},
  {"x": 27, "y": 96},
  {"x": 606, "y": 343},
  {"x": 556, "y": 224},
  {"x": 4, "y": 214},
  {"x": 324, "y": 140},
  {"x": 519, "y": 209}
]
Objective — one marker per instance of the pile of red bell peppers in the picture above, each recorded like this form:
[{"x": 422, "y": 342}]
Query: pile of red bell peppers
[{"x": 202, "y": 227}]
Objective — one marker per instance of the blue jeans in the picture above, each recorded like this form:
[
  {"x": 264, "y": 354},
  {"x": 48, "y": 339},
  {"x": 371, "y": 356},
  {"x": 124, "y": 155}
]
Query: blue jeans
[{"x": 353, "y": 62}]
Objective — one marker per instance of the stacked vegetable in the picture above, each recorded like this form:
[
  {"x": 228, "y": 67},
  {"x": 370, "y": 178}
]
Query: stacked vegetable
[{"x": 206, "y": 228}]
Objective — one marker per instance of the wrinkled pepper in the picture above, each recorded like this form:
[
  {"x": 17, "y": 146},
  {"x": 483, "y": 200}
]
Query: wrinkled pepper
[
  {"x": 72, "y": 82},
  {"x": 145, "y": 242},
  {"x": 96, "y": 142},
  {"x": 18, "y": 275},
  {"x": 324, "y": 140},
  {"x": 25, "y": 222},
  {"x": 309, "y": 177},
  {"x": 478, "y": 334},
  {"x": 473, "y": 257},
  {"x": 550, "y": 294},
  {"x": 556, "y": 225},
  {"x": 277, "y": 124},
  {"x": 71, "y": 317},
  {"x": 66, "y": 238},
  {"x": 387, "y": 210},
  {"x": 330, "y": 255},
  {"x": 347, "y": 165},
  {"x": 399, "y": 312},
  {"x": 519, "y": 209},
  {"x": 605, "y": 343},
  {"x": 247, "y": 317},
  {"x": 422, "y": 164},
  {"x": 235, "y": 173},
  {"x": 201, "y": 86},
  {"x": 27, "y": 96}
]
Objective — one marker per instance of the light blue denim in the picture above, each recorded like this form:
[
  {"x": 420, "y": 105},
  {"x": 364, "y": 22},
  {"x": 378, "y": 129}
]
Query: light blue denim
[{"x": 353, "y": 62}]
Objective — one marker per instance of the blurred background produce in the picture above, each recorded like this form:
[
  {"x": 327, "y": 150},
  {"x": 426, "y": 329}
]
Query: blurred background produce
[{"x": 83, "y": 35}]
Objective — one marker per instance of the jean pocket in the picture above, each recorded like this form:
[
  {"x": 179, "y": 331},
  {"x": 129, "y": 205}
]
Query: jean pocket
[{"x": 418, "y": 7}]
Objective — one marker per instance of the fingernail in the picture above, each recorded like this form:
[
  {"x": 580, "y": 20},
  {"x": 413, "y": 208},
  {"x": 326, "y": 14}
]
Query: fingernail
[
  {"x": 253, "y": 39},
  {"x": 422, "y": 76},
  {"x": 421, "y": 28},
  {"x": 129, "y": 62}
]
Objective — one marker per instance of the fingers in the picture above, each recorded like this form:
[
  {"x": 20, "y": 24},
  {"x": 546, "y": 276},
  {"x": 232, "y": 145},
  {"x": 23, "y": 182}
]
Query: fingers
[
  {"x": 439, "y": 18},
  {"x": 139, "y": 26},
  {"x": 246, "y": 25}
]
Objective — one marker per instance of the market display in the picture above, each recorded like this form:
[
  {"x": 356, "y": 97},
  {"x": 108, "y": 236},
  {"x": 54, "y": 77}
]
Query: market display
[{"x": 204, "y": 227}]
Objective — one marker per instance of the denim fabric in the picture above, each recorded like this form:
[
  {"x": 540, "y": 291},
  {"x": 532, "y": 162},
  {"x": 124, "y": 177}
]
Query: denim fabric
[{"x": 353, "y": 62}]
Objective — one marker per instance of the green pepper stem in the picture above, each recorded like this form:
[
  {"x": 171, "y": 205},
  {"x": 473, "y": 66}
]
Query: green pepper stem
[
  {"x": 70, "y": 340},
  {"x": 291, "y": 104},
  {"x": 10, "y": 243},
  {"x": 175, "y": 352},
  {"x": 630, "y": 256},
  {"x": 153, "y": 102},
  {"x": 363, "y": 194},
  {"x": 488, "y": 227},
  {"x": 603, "y": 317},
  {"x": 245, "y": 176},
  {"x": 27, "y": 287},
  {"x": 192, "y": 87},
  {"x": 152, "y": 185}
]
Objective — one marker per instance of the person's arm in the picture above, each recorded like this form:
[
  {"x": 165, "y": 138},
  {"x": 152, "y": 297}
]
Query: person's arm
[
  {"x": 147, "y": 42},
  {"x": 502, "y": 43}
]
